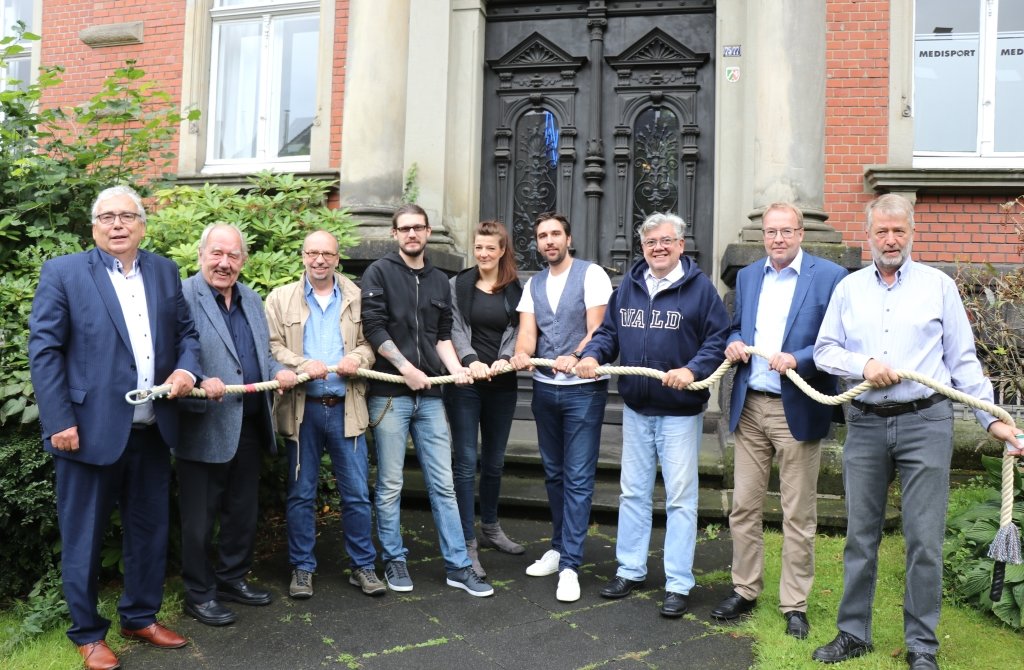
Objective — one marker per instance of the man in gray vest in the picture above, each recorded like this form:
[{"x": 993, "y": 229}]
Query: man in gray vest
[{"x": 559, "y": 311}]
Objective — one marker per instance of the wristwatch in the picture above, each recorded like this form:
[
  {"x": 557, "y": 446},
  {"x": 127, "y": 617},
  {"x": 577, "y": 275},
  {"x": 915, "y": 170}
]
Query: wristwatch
[{"x": 577, "y": 354}]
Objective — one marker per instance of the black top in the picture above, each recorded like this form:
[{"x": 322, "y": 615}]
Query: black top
[
  {"x": 489, "y": 320},
  {"x": 412, "y": 308}
]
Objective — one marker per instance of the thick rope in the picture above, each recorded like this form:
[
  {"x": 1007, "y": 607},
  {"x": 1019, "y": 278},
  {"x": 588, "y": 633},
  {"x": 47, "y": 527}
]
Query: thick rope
[{"x": 1005, "y": 548}]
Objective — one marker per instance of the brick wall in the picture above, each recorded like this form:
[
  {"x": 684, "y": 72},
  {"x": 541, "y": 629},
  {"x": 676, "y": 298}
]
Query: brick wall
[
  {"x": 160, "y": 54},
  {"x": 950, "y": 227}
]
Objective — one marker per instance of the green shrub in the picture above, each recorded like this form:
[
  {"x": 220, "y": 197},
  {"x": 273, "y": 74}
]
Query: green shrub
[
  {"x": 276, "y": 212},
  {"x": 28, "y": 513},
  {"x": 967, "y": 570}
]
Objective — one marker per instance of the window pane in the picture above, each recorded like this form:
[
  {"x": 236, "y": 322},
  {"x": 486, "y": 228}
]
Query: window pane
[
  {"x": 655, "y": 167},
  {"x": 14, "y": 11},
  {"x": 237, "y": 90},
  {"x": 535, "y": 181},
  {"x": 946, "y": 64},
  {"x": 19, "y": 69},
  {"x": 295, "y": 53},
  {"x": 1010, "y": 77}
]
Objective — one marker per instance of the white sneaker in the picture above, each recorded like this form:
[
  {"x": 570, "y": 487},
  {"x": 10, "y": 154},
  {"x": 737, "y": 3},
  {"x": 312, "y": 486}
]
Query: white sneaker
[
  {"x": 568, "y": 586},
  {"x": 545, "y": 565}
]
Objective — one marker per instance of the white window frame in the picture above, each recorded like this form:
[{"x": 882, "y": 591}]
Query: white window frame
[
  {"x": 31, "y": 53},
  {"x": 984, "y": 156},
  {"x": 199, "y": 83}
]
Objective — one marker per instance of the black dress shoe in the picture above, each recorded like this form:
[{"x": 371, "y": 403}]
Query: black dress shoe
[
  {"x": 620, "y": 587},
  {"x": 843, "y": 647},
  {"x": 242, "y": 592},
  {"x": 921, "y": 661},
  {"x": 212, "y": 613},
  {"x": 674, "y": 605},
  {"x": 797, "y": 625},
  {"x": 733, "y": 607}
]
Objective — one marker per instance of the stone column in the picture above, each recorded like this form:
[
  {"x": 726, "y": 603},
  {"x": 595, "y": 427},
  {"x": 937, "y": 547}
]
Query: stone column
[
  {"x": 374, "y": 121},
  {"x": 786, "y": 61}
]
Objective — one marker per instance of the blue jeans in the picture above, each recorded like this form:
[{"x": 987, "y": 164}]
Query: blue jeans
[
  {"x": 918, "y": 446},
  {"x": 491, "y": 411},
  {"x": 569, "y": 419},
  {"x": 675, "y": 441},
  {"x": 323, "y": 429},
  {"x": 423, "y": 416}
]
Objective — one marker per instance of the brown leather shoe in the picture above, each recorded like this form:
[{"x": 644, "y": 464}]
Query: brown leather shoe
[
  {"x": 156, "y": 635},
  {"x": 97, "y": 656}
]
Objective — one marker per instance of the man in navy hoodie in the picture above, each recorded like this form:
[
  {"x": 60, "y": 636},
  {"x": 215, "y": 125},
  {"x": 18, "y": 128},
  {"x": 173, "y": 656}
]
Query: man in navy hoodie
[{"x": 666, "y": 315}]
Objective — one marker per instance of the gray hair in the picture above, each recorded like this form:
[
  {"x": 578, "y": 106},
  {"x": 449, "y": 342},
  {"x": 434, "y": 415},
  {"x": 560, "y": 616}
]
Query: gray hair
[
  {"x": 892, "y": 204},
  {"x": 230, "y": 226},
  {"x": 117, "y": 191},
  {"x": 657, "y": 219}
]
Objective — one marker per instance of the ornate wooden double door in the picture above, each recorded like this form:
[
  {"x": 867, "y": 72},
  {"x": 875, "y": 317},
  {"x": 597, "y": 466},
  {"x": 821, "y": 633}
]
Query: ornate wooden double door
[{"x": 603, "y": 111}]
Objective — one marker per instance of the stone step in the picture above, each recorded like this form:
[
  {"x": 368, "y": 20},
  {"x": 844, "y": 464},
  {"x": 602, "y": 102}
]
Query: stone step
[{"x": 522, "y": 494}]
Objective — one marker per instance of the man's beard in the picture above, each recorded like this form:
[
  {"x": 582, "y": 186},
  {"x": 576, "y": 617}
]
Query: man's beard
[{"x": 880, "y": 259}]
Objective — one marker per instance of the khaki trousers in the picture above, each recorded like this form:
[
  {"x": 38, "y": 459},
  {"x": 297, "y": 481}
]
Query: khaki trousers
[{"x": 762, "y": 431}]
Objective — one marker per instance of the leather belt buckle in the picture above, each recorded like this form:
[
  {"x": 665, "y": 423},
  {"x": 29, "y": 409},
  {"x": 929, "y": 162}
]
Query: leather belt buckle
[
  {"x": 899, "y": 408},
  {"x": 327, "y": 400}
]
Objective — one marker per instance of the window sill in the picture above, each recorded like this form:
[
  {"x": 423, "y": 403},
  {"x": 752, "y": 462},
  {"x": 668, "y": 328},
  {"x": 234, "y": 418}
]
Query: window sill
[
  {"x": 242, "y": 178},
  {"x": 979, "y": 181}
]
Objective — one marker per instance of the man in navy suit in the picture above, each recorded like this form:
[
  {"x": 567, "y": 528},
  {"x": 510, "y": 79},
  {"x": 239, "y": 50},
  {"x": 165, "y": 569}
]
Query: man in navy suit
[
  {"x": 780, "y": 302},
  {"x": 104, "y": 322},
  {"x": 218, "y": 456}
]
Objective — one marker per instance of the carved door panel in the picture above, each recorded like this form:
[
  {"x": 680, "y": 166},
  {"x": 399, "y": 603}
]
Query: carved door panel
[{"x": 602, "y": 111}]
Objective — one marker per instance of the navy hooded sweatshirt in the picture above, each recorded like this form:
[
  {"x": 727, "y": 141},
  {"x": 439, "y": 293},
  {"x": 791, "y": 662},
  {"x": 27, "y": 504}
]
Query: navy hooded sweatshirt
[{"x": 684, "y": 325}]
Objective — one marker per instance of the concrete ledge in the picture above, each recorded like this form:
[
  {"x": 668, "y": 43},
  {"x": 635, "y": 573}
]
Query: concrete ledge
[{"x": 113, "y": 34}]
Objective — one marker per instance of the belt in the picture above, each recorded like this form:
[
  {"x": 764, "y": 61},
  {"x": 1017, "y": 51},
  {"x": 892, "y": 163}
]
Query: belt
[
  {"x": 897, "y": 408},
  {"x": 327, "y": 400},
  {"x": 766, "y": 394},
  {"x": 143, "y": 426}
]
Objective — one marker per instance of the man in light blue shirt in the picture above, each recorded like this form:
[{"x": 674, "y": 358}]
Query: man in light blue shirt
[{"x": 898, "y": 314}]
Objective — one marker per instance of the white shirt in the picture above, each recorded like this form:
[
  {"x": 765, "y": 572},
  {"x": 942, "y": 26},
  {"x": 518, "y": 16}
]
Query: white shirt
[
  {"x": 770, "y": 326},
  {"x": 919, "y": 323},
  {"x": 656, "y": 285},
  {"x": 597, "y": 288},
  {"x": 131, "y": 293}
]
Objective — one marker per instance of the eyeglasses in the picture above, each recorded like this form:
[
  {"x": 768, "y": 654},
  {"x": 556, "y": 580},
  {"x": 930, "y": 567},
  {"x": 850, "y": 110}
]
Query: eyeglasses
[
  {"x": 328, "y": 255},
  {"x": 107, "y": 218},
  {"x": 405, "y": 230},
  {"x": 663, "y": 242},
  {"x": 787, "y": 233}
]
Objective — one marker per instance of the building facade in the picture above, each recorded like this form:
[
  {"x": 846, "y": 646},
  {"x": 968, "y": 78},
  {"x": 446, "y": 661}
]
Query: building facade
[{"x": 606, "y": 110}]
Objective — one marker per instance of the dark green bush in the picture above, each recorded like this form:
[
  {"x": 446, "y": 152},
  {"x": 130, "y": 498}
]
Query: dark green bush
[
  {"x": 28, "y": 512},
  {"x": 967, "y": 570}
]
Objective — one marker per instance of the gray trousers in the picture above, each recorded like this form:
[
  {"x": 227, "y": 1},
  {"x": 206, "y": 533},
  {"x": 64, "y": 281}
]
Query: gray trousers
[{"x": 918, "y": 446}]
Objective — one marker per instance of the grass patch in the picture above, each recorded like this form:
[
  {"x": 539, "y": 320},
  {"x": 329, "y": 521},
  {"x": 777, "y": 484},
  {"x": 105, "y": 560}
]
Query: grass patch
[{"x": 968, "y": 638}]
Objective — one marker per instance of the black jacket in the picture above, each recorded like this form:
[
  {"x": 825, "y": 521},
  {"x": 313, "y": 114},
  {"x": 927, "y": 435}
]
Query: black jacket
[{"x": 413, "y": 309}]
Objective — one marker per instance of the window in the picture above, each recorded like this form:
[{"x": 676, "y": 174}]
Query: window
[
  {"x": 19, "y": 66},
  {"x": 968, "y": 83},
  {"x": 263, "y": 84}
]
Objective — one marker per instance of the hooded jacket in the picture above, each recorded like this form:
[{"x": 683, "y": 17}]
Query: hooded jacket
[
  {"x": 412, "y": 308},
  {"x": 684, "y": 325}
]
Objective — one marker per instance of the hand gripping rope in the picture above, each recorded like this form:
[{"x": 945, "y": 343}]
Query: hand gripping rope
[{"x": 1005, "y": 548}]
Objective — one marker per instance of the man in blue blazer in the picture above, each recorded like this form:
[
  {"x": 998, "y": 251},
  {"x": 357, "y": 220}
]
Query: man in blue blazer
[
  {"x": 780, "y": 303},
  {"x": 104, "y": 322},
  {"x": 218, "y": 456}
]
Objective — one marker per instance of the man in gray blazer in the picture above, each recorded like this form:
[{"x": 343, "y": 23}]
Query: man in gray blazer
[{"x": 218, "y": 454}]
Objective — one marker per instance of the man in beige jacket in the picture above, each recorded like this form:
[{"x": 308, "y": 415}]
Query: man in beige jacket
[{"x": 315, "y": 322}]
